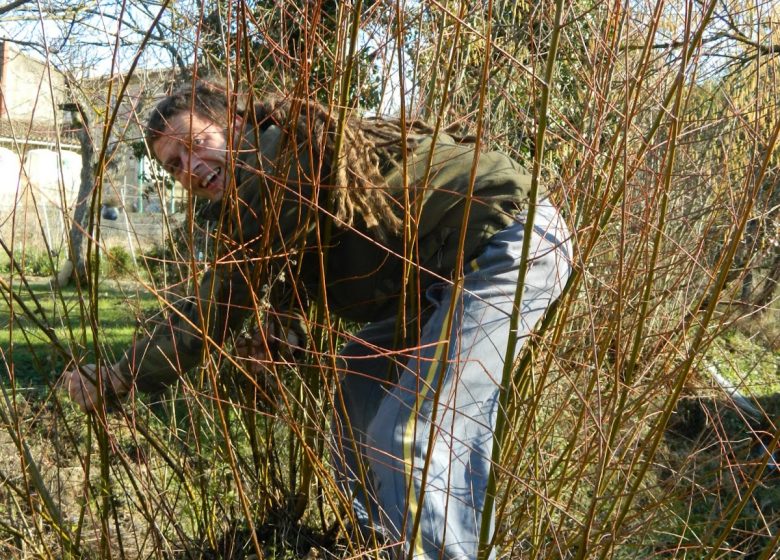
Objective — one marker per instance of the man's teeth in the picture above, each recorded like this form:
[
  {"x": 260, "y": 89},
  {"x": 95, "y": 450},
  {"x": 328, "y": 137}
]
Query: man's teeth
[{"x": 209, "y": 178}]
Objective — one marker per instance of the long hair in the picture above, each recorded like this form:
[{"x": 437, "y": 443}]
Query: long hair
[
  {"x": 370, "y": 146},
  {"x": 357, "y": 186}
]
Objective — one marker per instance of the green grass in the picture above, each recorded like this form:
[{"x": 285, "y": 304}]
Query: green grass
[
  {"x": 747, "y": 363},
  {"x": 36, "y": 356}
]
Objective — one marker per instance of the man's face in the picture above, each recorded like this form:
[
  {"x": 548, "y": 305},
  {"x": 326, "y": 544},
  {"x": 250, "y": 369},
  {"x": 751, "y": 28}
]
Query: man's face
[{"x": 193, "y": 150}]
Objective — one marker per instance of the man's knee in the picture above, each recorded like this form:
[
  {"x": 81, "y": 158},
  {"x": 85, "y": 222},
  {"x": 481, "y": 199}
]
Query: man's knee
[{"x": 386, "y": 434}]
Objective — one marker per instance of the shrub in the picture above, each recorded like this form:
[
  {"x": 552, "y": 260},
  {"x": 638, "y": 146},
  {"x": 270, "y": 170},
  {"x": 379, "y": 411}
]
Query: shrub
[
  {"x": 156, "y": 260},
  {"x": 118, "y": 261},
  {"x": 40, "y": 263},
  {"x": 31, "y": 263}
]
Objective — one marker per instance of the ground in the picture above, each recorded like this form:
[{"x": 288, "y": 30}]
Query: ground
[{"x": 161, "y": 481}]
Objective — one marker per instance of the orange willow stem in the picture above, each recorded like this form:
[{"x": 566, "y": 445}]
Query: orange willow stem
[{"x": 485, "y": 540}]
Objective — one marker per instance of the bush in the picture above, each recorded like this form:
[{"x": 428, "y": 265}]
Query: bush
[
  {"x": 31, "y": 263},
  {"x": 42, "y": 264},
  {"x": 157, "y": 261},
  {"x": 118, "y": 262}
]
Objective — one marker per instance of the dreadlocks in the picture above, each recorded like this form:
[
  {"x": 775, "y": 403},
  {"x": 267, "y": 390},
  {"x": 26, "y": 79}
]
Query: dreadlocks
[
  {"x": 358, "y": 187},
  {"x": 370, "y": 146}
]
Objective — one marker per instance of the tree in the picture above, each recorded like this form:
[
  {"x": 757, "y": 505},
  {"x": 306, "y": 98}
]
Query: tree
[{"x": 75, "y": 265}]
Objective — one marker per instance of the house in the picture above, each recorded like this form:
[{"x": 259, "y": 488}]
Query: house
[
  {"x": 40, "y": 152},
  {"x": 30, "y": 125}
]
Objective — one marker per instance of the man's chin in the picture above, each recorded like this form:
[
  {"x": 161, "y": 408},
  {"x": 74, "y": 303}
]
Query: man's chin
[{"x": 212, "y": 195}]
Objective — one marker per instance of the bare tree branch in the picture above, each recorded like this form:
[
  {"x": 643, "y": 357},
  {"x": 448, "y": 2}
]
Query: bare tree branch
[{"x": 13, "y": 5}]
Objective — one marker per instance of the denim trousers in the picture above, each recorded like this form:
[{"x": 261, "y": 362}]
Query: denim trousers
[{"x": 412, "y": 449}]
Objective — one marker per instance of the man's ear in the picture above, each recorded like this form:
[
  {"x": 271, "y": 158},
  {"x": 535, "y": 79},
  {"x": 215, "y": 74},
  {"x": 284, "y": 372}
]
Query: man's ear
[{"x": 238, "y": 129}]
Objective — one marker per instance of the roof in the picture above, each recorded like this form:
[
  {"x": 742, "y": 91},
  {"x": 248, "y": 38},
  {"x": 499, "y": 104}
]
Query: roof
[{"x": 35, "y": 133}]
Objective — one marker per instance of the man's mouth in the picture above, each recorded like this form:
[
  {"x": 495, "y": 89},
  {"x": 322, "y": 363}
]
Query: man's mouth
[{"x": 211, "y": 177}]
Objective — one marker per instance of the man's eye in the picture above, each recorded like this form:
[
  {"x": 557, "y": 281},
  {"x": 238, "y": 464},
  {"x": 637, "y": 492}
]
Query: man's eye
[{"x": 197, "y": 141}]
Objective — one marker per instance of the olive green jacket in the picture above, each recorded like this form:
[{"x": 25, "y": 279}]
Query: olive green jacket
[{"x": 276, "y": 246}]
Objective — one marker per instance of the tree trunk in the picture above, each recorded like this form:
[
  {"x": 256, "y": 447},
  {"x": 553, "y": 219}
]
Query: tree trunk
[{"x": 76, "y": 265}]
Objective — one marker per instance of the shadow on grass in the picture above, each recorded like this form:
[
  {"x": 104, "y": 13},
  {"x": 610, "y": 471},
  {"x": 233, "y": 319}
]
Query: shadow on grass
[{"x": 723, "y": 467}]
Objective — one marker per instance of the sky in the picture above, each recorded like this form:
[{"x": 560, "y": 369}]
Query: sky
[{"x": 82, "y": 36}]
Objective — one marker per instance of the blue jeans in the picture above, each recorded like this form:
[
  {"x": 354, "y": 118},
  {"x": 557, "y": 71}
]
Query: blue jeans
[{"x": 412, "y": 449}]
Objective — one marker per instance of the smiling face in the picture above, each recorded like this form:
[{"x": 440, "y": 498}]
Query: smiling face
[{"x": 193, "y": 149}]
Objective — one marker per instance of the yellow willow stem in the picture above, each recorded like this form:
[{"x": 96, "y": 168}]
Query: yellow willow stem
[
  {"x": 322, "y": 315},
  {"x": 485, "y": 539}
]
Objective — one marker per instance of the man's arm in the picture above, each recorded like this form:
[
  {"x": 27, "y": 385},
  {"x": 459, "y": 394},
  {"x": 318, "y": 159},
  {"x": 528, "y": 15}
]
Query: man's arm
[
  {"x": 223, "y": 300},
  {"x": 177, "y": 344}
]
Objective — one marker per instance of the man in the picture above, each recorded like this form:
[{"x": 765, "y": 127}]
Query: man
[{"x": 416, "y": 236}]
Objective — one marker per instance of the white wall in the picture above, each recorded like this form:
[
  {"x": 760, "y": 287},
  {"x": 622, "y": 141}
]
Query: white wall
[
  {"x": 52, "y": 176},
  {"x": 10, "y": 168}
]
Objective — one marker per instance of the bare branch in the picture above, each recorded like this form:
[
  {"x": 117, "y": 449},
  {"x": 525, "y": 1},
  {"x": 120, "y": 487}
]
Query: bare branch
[{"x": 13, "y": 5}]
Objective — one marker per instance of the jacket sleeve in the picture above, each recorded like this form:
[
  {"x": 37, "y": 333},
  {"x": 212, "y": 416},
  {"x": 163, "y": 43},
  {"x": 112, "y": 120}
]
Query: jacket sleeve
[
  {"x": 241, "y": 283},
  {"x": 194, "y": 327}
]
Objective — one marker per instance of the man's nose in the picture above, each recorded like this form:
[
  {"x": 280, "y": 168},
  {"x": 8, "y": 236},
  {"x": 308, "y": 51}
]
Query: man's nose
[{"x": 191, "y": 162}]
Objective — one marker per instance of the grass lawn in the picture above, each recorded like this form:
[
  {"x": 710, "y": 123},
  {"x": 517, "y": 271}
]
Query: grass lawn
[
  {"x": 35, "y": 356},
  {"x": 179, "y": 465}
]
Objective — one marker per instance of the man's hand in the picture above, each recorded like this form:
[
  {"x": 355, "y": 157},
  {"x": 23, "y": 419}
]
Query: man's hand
[
  {"x": 251, "y": 352},
  {"x": 257, "y": 349},
  {"x": 82, "y": 385}
]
